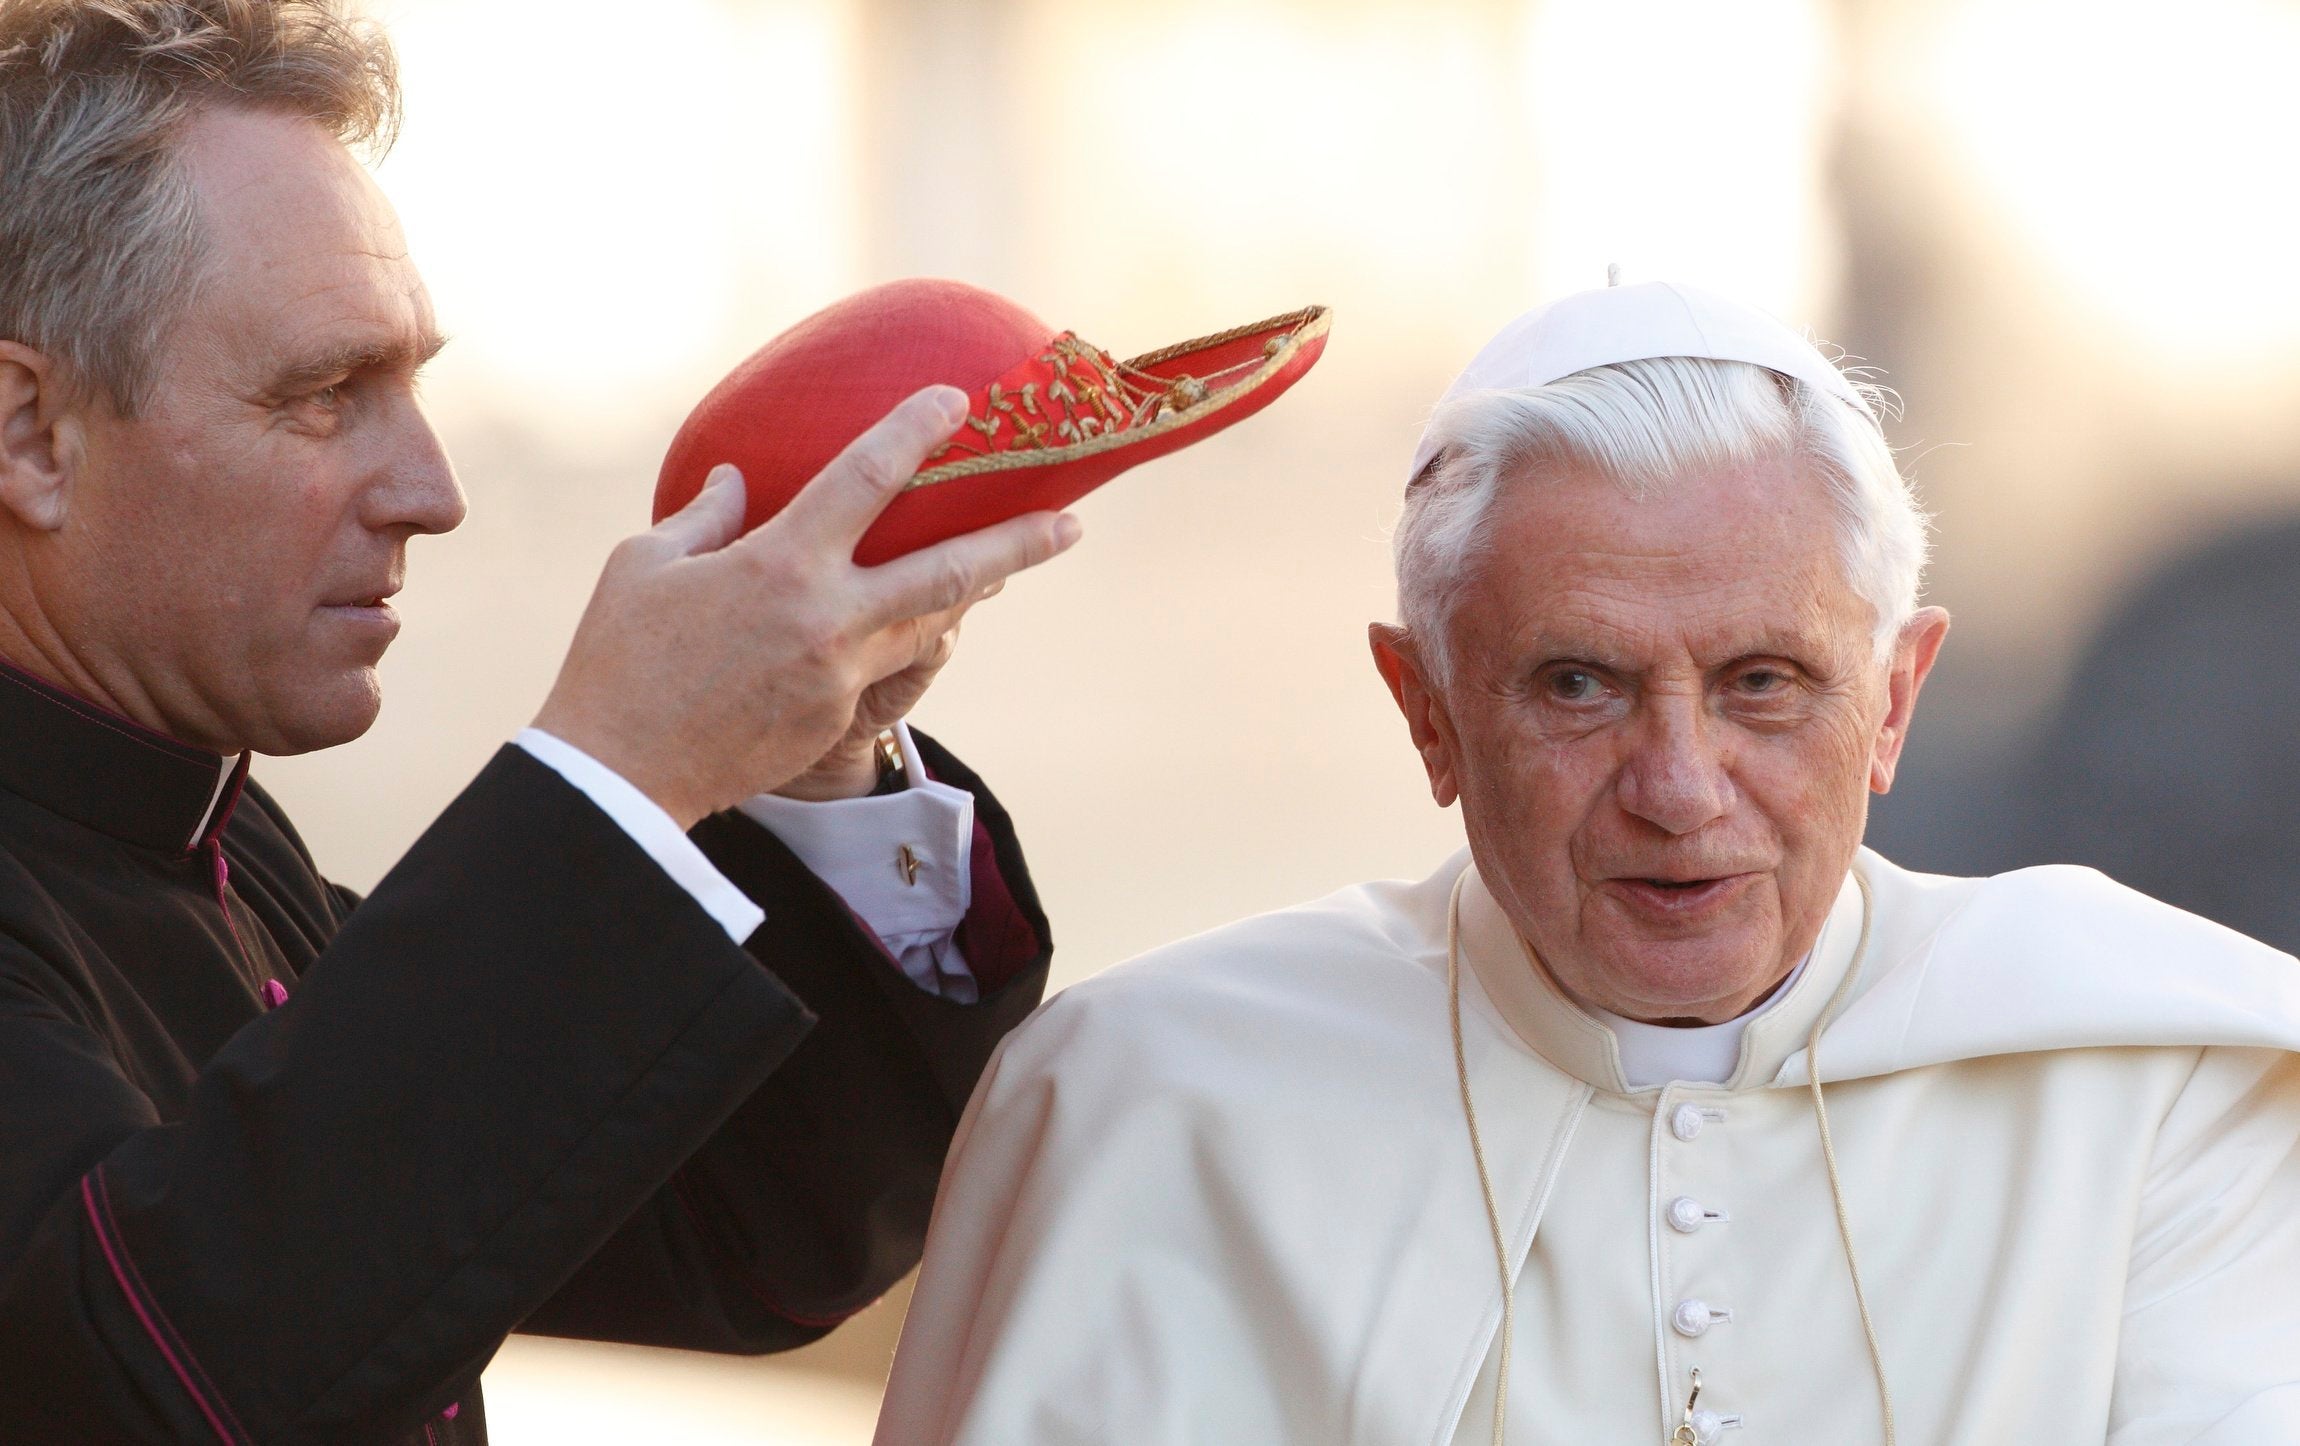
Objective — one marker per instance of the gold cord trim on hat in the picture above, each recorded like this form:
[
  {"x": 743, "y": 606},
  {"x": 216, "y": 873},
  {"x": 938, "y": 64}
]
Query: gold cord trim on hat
[
  {"x": 1223, "y": 338},
  {"x": 1092, "y": 403},
  {"x": 1076, "y": 392}
]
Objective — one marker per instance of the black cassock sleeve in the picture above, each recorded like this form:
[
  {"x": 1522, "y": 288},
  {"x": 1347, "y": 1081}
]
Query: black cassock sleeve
[
  {"x": 813, "y": 1199},
  {"x": 503, "y": 1054}
]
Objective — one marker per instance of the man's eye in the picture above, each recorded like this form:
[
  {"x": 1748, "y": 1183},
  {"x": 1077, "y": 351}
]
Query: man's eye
[
  {"x": 1764, "y": 681},
  {"x": 1573, "y": 685},
  {"x": 328, "y": 398}
]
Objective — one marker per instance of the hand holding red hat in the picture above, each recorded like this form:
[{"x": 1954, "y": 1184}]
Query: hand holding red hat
[
  {"x": 831, "y": 515},
  {"x": 712, "y": 665},
  {"x": 926, "y": 594},
  {"x": 725, "y": 655},
  {"x": 838, "y": 506}
]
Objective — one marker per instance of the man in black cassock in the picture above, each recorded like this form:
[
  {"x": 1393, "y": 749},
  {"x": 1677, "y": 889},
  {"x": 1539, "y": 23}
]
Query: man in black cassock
[{"x": 602, "y": 1056}]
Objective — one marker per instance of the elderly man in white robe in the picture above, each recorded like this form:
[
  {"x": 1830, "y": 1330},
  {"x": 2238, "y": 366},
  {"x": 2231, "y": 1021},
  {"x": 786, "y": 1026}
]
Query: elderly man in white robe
[{"x": 1665, "y": 1112}]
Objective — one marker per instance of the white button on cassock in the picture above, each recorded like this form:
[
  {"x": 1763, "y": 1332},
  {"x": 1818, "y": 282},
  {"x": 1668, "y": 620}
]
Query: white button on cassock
[
  {"x": 1686, "y": 1121},
  {"x": 1694, "y": 1317},
  {"x": 1687, "y": 1216},
  {"x": 1708, "y": 1426}
]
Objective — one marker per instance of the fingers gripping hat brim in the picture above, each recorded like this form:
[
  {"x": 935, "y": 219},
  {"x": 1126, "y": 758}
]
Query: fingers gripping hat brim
[
  {"x": 1050, "y": 417},
  {"x": 1637, "y": 323}
]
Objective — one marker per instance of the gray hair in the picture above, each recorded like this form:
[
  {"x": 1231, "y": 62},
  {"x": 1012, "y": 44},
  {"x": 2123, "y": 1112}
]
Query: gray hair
[
  {"x": 100, "y": 240},
  {"x": 1641, "y": 423}
]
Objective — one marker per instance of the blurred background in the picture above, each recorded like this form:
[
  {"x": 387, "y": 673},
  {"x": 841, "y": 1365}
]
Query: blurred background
[{"x": 2063, "y": 229}]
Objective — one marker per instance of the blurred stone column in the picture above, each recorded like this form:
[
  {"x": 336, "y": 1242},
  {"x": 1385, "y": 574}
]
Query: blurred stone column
[
  {"x": 1890, "y": 269},
  {"x": 947, "y": 177}
]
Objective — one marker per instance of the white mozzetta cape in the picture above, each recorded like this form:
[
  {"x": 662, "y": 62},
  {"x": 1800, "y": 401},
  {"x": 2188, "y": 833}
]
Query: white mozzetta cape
[{"x": 1224, "y": 1194}]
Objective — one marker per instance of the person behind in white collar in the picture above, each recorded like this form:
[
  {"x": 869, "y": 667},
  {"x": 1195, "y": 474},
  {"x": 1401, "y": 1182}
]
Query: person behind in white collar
[{"x": 1537, "y": 1149}]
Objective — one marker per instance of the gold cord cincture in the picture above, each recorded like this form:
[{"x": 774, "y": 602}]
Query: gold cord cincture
[
  {"x": 1477, "y": 1152},
  {"x": 1686, "y": 1433},
  {"x": 1829, "y": 1155}
]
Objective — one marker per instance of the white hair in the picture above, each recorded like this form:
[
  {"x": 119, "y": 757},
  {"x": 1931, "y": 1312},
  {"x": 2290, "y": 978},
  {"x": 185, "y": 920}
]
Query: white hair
[{"x": 1641, "y": 424}]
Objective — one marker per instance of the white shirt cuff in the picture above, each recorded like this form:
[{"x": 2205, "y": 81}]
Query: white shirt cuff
[
  {"x": 651, "y": 829},
  {"x": 903, "y": 862}
]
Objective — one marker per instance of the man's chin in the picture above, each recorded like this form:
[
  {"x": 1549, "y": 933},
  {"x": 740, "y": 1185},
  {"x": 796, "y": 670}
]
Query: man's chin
[
  {"x": 334, "y": 713},
  {"x": 1686, "y": 981}
]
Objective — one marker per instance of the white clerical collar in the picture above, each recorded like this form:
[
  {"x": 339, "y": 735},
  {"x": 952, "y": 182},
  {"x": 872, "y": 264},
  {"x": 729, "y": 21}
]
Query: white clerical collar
[
  {"x": 1576, "y": 1041},
  {"x": 1658, "y": 1054}
]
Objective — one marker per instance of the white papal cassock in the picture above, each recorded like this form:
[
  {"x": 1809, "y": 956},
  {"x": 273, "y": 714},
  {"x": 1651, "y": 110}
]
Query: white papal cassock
[{"x": 1224, "y": 1194}]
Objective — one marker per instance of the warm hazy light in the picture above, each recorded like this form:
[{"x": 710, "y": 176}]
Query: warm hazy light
[
  {"x": 600, "y": 195},
  {"x": 1681, "y": 139},
  {"x": 1269, "y": 142},
  {"x": 2144, "y": 151}
]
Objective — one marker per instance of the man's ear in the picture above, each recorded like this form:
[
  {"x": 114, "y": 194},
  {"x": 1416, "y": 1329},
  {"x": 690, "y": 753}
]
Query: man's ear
[
  {"x": 1913, "y": 655},
  {"x": 39, "y": 438},
  {"x": 1397, "y": 655}
]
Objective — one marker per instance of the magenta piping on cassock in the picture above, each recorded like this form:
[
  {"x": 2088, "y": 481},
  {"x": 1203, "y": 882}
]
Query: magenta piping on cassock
[{"x": 132, "y": 1286}]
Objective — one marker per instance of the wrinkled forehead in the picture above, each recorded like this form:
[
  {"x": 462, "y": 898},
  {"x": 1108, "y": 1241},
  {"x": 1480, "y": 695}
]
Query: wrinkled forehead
[
  {"x": 299, "y": 239},
  {"x": 1725, "y": 560}
]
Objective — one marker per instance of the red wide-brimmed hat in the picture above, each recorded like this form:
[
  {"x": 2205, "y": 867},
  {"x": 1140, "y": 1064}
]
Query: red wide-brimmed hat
[{"x": 1050, "y": 417}]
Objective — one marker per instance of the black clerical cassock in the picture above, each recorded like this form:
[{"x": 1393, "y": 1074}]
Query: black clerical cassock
[{"x": 528, "y": 1082}]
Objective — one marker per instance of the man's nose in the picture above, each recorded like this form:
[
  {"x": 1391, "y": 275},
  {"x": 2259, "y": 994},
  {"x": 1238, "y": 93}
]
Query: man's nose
[
  {"x": 1675, "y": 777},
  {"x": 416, "y": 490}
]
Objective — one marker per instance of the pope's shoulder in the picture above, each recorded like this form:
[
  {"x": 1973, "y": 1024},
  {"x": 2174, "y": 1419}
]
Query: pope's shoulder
[
  {"x": 1366, "y": 931},
  {"x": 1334, "y": 977},
  {"x": 2048, "y": 912},
  {"x": 2056, "y": 957}
]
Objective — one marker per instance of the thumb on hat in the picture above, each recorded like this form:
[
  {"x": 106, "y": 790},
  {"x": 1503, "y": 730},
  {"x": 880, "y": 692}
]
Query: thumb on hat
[{"x": 710, "y": 520}]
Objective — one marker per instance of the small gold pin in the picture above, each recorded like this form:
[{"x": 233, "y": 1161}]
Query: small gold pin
[{"x": 910, "y": 864}]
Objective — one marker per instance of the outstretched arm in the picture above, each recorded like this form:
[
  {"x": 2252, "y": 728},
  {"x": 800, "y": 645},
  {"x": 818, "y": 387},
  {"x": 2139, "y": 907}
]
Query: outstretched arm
[{"x": 812, "y": 1200}]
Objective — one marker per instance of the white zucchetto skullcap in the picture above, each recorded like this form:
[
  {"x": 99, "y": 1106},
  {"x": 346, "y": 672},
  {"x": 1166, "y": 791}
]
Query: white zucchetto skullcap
[{"x": 1637, "y": 323}]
